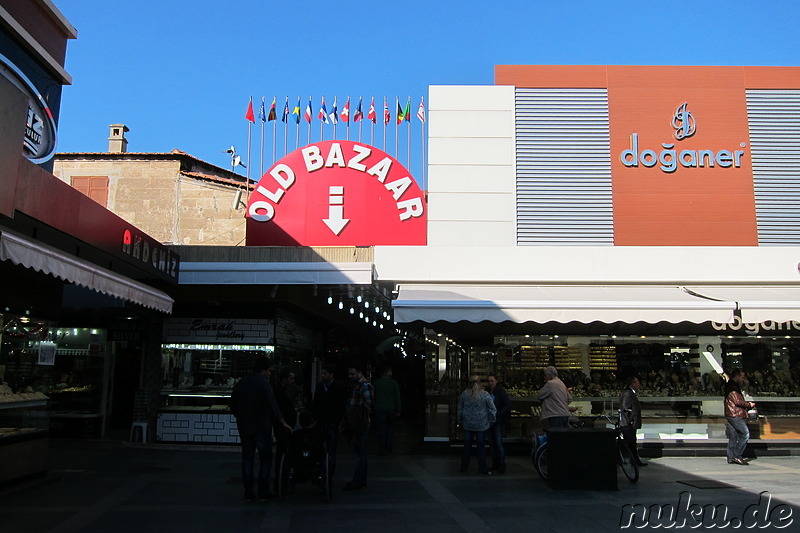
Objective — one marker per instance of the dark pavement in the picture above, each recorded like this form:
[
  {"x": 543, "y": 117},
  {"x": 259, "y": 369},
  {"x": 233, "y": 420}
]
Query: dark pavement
[{"x": 115, "y": 486}]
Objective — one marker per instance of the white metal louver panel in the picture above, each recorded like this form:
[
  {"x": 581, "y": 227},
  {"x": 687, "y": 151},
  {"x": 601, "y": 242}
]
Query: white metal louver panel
[
  {"x": 774, "y": 121},
  {"x": 563, "y": 158}
]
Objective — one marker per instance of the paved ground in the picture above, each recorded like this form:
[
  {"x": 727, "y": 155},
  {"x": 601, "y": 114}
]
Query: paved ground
[{"x": 113, "y": 486}]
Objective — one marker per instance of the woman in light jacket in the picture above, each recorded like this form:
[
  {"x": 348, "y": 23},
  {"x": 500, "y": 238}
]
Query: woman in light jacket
[{"x": 476, "y": 412}]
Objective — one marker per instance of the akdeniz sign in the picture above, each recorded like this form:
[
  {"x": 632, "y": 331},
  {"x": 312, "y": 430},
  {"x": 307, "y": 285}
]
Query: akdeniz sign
[
  {"x": 668, "y": 157},
  {"x": 337, "y": 193},
  {"x": 39, "y": 138}
]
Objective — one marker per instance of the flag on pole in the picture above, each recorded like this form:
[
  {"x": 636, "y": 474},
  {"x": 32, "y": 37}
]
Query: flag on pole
[
  {"x": 334, "y": 116},
  {"x": 359, "y": 116},
  {"x": 387, "y": 116},
  {"x": 323, "y": 112},
  {"x": 308, "y": 111},
  {"x": 371, "y": 115},
  {"x": 346, "y": 111},
  {"x": 272, "y": 114},
  {"x": 261, "y": 114},
  {"x": 400, "y": 116},
  {"x": 407, "y": 111},
  {"x": 285, "y": 116},
  {"x": 296, "y": 111},
  {"x": 421, "y": 110},
  {"x": 249, "y": 114}
]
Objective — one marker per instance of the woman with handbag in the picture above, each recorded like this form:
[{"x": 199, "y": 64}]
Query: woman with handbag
[{"x": 476, "y": 412}]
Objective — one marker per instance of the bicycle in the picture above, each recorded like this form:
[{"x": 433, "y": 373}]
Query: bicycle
[{"x": 625, "y": 459}]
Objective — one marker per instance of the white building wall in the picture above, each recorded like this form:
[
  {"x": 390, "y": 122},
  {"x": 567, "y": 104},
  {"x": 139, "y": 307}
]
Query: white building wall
[
  {"x": 471, "y": 177},
  {"x": 472, "y": 221}
]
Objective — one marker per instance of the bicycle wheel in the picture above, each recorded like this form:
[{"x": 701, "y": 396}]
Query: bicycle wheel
[
  {"x": 282, "y": 479},
  {"x": 326, "y": 479},
  {"x": 541, "y": 462},
  {"x": 628, "y": 463}
]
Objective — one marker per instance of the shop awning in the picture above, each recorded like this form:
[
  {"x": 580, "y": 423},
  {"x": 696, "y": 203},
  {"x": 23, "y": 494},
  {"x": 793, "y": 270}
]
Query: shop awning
[
  {"x": 563, "y": 303},
  {"x": 43, "y": 258},
  {"x": 757, "y": 304}
]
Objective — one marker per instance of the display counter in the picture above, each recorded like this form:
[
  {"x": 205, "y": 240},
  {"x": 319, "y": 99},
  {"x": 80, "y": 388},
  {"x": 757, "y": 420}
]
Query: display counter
[
  {"x": 196, "y": 417},
  {"x": 23, "y": 436},
  {"x": 671, "y": 417}
]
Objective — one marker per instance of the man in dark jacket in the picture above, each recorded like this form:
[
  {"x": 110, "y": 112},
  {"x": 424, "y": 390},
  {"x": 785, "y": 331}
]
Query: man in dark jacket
[
  {"x": 497, "y": 430},
  {"x": 630, "y": 419},
  {"x": 736, "y": 417},
  {"x": 254, "y": 407},
  {"x": 328, "y": 406},
  {"x": 285, "y": 400}
]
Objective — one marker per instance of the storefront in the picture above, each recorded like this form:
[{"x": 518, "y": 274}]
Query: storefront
[
  {"x": 82, "y": 298},
  {"x": 611, "y": 221}
]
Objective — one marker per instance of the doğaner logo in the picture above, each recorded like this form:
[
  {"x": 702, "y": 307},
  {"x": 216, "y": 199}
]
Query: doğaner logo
[
  {"x": 683, "y": 122},
  {"x": 669, "y": 158}
]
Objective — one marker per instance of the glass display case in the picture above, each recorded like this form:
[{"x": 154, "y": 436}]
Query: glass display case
[
  {"x": 682, "y": 379},
  {"x": 199, "y": 379}
]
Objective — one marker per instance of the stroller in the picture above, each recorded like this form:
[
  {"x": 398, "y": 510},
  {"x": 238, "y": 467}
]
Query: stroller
[{"x": 306, "y": 460}]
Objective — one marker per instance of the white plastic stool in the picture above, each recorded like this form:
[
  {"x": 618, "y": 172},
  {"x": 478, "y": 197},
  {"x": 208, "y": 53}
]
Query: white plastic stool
[{"x": 143, "y": 427}]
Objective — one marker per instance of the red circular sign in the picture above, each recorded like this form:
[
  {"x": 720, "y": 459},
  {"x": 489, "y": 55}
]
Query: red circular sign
[{"x": 337, "y": 193}]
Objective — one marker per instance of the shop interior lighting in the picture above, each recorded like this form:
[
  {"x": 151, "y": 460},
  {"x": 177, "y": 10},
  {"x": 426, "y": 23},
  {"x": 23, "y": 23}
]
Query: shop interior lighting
[
  {"x": 330, "y": 300},
  {"x": 358, "y": 298},
  {"x": 246, "y": 347},
  {"x": 352, "y": 311},
  {"x": 341, "y": 305}
]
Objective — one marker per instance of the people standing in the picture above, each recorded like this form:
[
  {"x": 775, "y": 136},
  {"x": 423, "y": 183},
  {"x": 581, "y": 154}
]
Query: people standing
[
  {"x": 255, "y": 409},
  {"x": 555, "y": 400},
  {"x": 328, "y": 406},
  {"x": 476, "y": 412},
  {"x": 736, "y": 417},
  {"x": 286, "y": 403},
  {"x": 630, "y": 416},
  {"x": 357, "y": 422},
  {"x": 496, "y": 431},
  {"x": 387, "y": 408}
]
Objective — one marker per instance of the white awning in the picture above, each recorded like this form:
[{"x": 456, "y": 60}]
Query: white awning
[
  {"x": 563, "y": 303},
  {"x": 757, "y": 304},
  {"x": 43, "y": 258}
]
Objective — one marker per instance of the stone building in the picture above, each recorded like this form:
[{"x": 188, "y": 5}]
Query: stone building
[{"x": 173, "y": 196}]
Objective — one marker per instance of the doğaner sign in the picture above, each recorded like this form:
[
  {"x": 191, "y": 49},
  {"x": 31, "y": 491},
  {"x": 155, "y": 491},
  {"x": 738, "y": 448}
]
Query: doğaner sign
[{"x": 337, "y": 193}]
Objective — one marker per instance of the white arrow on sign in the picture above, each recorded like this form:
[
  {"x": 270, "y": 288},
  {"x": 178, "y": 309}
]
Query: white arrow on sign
[{"x": 336, "y": 221}]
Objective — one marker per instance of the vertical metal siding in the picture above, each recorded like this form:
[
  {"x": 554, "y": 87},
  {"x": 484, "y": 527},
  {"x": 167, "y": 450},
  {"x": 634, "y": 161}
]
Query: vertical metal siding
[
  {"x": 563, "y": 157},
  {"x": 774, "y": 120}
]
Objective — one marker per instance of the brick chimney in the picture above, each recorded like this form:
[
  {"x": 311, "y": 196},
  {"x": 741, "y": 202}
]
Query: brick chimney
[{"x": 117, "y": 143}]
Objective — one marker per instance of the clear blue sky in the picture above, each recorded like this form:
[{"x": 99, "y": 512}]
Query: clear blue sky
[{"x": 179, "y": 73}]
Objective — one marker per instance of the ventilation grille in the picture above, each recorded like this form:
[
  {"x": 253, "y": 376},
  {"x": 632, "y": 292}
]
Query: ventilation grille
[
  {"x": 774, "y": 120},
  {"x": 563, "y": 167}
]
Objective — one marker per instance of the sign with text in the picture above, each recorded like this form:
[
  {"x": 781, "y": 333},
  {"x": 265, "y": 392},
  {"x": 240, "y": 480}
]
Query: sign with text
[
  {"x": 337, "y": 193},
  {"x": 219, "y": 331}
]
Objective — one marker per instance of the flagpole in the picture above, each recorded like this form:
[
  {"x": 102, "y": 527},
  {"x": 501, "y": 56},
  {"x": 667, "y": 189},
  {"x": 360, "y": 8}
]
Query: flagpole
[
  {"x": 372, "y": 126},
  {"x": 297, "y": 126},
  {"x": 261, "y": 162},
  {"x": 397, "y": 128},
  {"x": 274, "y": 134},
  {"x": 385, "y": 123},
  {"x": 408, "y": 119},
  {"x": 422, "y": 132},
  {"x": 249, "y": 134},
  {"x": 286, "y": 127}
]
